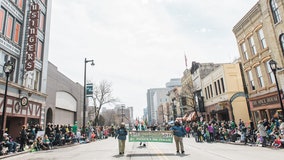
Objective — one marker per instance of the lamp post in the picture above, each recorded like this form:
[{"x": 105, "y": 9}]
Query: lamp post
[
  {"x": 122, "y": 114},
  {"x": 273, "y": 66},
  {"x": 84, "y": 98},
  {"x": 8, "y": 68}
]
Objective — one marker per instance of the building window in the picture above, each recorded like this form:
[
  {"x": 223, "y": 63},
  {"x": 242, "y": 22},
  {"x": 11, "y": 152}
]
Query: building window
[
  {"x": 211, "y": 90},
  {"x": 262, "y": 39},
  {"x": 252, "y": 45},
  {"x": 244, "y": 50},
  {"x": 208, "y": 90},
  {"x": 275, "y": 11},
  {"x": 41, "y": 21},
  {"x": 3, "y": 59},
  {"x": 39, "y": 50},
  {"x": 219, "y": 87},
  {"x": 36, "y": 80},
  {"x": 251, "y": 81},
  {"x": 9, "y": 26},
  {"x": 2, "y": 19},
  {"x": 216, "y": 90},
  {"x": 259, "y": 75},
  {"x": 223, "y": 85},
  {"x": 282, "y": 42},
  {"x": 20, "y": 4},
  {"x": 270, "y": 73},
  {"x": 206, "y": 93},
  {"x": 43, "y": 1},
  {"x": 17, "y": 32}
]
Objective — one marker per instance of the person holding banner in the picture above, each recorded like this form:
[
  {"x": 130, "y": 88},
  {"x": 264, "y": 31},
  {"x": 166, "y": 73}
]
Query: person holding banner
[
  {"x": 179, "y": 132},
  {"x": 142, "y": 127},
  {"x": 121, "y": 134}
]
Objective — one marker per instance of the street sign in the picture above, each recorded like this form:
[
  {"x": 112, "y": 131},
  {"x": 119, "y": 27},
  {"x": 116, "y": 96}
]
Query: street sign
[{"x": 89, "y": 90}]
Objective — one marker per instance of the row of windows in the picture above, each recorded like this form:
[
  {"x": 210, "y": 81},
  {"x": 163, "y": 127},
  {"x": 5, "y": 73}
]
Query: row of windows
[
  {"x": 20, "y": 3},
  {"x": 11, "y": 29},
  {"x": 252, "y": 45},
  {"x": 260, "y": 35},
  {"x": 31, "y": 79},
  {"x": 259, "y": 76},
  {"x": 275, "y": 11},
  {"x": 219, "y": 89},
  {"x": 9, "y": 26}
]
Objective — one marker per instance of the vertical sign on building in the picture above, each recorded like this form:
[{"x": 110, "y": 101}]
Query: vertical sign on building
[{"x": 32, "y": 37}]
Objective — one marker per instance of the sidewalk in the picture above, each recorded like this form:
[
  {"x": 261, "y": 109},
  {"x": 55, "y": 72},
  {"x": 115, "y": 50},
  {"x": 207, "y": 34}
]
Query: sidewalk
[{"x": 28, "y": 150}]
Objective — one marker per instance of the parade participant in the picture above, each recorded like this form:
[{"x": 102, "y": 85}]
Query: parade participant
[
  {"x": 142, "y": 127},
  {"x": 179, "y": 132},
  {"x": 121, "y": 133}
]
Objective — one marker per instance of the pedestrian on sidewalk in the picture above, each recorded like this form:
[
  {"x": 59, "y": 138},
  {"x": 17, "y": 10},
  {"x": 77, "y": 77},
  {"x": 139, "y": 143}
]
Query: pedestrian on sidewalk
[
  {"x": 121, "y": 134},
  {"x": 23, "y": 138},
  {"x": 262, "y": 132},
  {"x": 179, "y": 132}
]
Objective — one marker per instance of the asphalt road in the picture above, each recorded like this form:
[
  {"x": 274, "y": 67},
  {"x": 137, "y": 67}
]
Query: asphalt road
[{"x": 107, "y": 149}]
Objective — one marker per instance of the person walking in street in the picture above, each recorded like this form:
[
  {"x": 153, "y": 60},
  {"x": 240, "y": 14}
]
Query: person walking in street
[
  {"x": 121, "y": 134},
  {"x": 142, "y": 127},
  {"x": 179, "y": 132}
]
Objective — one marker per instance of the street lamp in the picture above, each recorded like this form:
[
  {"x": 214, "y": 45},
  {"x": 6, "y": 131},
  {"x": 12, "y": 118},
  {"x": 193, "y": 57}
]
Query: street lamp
[
  {"x": 122, "y": 114},
  {"x": 84, "y": 98},
  {"x": 273, "y": 66},
  {"x": 8, "y": 68}
]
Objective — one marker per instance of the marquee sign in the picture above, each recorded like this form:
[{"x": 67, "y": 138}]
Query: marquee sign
[{"x": 32, "y": 37}]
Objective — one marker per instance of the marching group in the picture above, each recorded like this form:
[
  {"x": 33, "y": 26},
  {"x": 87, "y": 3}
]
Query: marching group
[{"x": 266, "y": 133}]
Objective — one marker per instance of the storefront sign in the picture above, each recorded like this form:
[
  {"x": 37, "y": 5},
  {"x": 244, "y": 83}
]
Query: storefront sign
[
  {"x": 265, "y": 101},
  {"x": 13, "y": 107},
  {"x": 32, "y": 37},
  {"x": 151, "y": 136}
]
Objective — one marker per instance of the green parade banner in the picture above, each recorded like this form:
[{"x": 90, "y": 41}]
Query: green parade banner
[{"x": 151, "y": 136}]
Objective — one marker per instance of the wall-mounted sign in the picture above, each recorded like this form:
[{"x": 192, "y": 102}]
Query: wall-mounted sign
[
  {"x": 265, "y": 101},
  {"x": 24, "y": 101},
  {"x": 32, "y": 37}
]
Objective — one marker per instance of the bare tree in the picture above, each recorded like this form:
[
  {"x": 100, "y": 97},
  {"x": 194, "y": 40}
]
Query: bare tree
[
  {"x": 188, "y": 90},
  {"x": 102, "y": 96}
]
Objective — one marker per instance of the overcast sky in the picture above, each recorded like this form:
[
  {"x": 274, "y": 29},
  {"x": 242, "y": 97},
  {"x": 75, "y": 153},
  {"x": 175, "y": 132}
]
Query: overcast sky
[{"x": 140, "y": 44}]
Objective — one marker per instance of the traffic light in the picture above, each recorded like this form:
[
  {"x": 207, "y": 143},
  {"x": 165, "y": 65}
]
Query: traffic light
[{"x": 183, "y": 101}]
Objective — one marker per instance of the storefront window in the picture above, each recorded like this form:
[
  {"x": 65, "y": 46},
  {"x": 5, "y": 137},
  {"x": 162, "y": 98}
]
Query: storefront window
[
  {"x": 263, "y": 115},
  {"x": 256, "y": 116}
]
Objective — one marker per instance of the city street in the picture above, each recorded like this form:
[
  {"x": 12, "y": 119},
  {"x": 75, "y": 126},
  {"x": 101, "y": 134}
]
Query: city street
[{"x": 108, "y": 149}]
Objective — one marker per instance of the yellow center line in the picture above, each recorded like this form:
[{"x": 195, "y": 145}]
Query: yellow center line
[{"x": 159, "y": 152}]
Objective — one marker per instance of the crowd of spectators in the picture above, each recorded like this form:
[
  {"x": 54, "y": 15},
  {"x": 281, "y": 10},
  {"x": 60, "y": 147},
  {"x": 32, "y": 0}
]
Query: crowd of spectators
[
  {"x": 35, "y": 138},
  {"x": 265, "y": 133}
]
